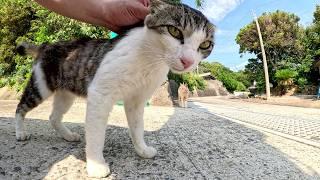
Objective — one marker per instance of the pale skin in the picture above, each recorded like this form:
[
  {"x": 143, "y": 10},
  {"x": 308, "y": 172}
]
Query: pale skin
[{"x": 112, "y": 14}]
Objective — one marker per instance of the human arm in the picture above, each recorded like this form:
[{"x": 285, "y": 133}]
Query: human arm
[{"x": 113, "y": 14}]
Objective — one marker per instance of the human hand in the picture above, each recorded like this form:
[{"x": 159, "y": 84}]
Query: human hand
[
  {"x": 113, "y": 14},
  {"x": 120, "y": 13}
]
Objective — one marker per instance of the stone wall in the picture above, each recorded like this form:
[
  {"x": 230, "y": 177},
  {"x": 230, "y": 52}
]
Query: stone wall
[{"x": 162, "y": 96}]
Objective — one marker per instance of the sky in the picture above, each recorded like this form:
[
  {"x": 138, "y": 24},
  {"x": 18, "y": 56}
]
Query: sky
[{"x": 231, "y": 15}]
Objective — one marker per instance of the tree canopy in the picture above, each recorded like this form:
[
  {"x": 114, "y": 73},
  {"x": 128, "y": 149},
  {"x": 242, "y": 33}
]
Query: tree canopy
[
  {"x": 281, "y": 34},
  {"x": 288, "y": 45}
]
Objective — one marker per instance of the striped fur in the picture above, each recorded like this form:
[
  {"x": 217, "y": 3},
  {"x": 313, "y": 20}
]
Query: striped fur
[{"x": 128, "y": 68}]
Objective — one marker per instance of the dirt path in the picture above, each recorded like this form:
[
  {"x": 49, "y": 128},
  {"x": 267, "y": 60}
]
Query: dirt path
[{"x": 191, "y": 144}]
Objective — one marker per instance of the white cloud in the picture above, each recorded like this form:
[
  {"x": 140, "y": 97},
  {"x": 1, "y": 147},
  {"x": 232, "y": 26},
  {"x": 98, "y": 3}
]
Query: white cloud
[
  {"x": 239, "y": 66},
  {"x": 218, "y": 9}
]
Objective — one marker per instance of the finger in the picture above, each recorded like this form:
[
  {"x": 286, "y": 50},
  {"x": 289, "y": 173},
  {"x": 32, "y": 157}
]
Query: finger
[
  {"x": 141, "y": 12},
  {"x": 145, "y": 2},
  {"x": 113, "y": 28}
]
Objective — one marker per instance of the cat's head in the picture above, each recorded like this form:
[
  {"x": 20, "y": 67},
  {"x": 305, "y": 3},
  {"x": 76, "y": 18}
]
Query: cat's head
[{"x": 185, "y": 35}]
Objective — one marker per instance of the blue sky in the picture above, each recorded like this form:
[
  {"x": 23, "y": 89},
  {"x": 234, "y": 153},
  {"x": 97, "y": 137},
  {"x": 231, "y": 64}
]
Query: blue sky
[{"x": 231, "y": 15}]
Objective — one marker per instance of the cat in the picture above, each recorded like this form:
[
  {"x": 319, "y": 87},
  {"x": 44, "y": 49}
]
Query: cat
[
  {"x": 130, "y": 68},
  {"x": 183, "y": 94}
]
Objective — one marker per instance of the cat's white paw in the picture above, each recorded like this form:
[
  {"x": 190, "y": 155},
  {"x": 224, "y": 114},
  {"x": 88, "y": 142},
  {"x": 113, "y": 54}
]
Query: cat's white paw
[
  {"x": 73, "y": 137},
  {"x": 22, "y": 136},
  {"x": 97, "y": 170},
  {"x": 148, "y": 152}
]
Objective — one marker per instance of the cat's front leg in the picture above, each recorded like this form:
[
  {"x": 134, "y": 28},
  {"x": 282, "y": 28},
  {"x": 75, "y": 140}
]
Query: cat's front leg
[
  {"x": 134, "y": 109},
  {"x": 98, "y": 109}
]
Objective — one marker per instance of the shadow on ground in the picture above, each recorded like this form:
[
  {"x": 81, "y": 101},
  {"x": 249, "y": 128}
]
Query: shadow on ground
[{"x": 193, "y": 144}]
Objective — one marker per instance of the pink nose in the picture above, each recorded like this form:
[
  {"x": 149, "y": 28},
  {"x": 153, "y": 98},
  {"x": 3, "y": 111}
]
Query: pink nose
[{"x": 186, "y": 62}]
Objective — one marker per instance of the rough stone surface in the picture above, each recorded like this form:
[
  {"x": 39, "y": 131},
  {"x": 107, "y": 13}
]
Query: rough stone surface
[
  {"x": 192, "y": 143},
  {"x": 162, "y": 96},
  {"x": 214, "y": 88}
]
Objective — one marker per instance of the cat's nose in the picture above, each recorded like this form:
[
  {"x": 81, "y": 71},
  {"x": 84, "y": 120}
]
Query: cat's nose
[{"x": 186, "y": 62}]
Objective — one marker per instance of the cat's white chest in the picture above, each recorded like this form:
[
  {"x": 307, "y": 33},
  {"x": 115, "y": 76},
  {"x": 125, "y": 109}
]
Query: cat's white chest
[{"x": 128, "y": 70}]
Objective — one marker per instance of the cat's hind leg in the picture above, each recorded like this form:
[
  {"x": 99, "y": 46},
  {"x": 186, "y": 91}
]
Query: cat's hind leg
[
  {"x": 34, "y": 93},
  {"x": 134, "y": 109},
  {"x": 63, "y": 100}
]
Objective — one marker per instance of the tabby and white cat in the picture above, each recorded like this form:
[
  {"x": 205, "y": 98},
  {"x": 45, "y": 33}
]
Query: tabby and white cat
[{"x": 174, "y": 37}]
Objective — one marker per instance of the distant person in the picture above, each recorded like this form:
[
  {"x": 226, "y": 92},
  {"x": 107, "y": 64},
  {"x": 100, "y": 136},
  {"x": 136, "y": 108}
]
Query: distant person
[{"x": 113, "y": 14}]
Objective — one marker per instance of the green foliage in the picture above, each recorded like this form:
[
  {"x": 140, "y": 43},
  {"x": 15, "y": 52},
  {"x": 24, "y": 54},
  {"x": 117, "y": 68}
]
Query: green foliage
[
  {"x": 233, "y": 81},
  {"x": 199, "y": 3},
  {"x": 14, "y": 22},
  {"x": 290, "y": 49},
  {"x": 281, "y": 33},
  {"x": 302, "y": 82},
  {"x": 312, "y": 39},
  {"x": 285, "y": 74},
  {"x": 285, "y": 79},
  {"x": 316, "y": 15},
  {"x": 193, "y": 80},
  {"x": 282, "y": 36},
  {"x": 23, "y": 20},
  {"x": 243, "y": 77}
]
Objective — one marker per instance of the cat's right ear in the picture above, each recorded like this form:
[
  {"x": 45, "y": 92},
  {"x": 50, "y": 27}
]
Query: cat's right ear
[{"x": 156, "y": 5}]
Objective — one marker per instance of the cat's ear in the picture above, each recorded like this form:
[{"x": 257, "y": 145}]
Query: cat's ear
[{"x": 156, "y": 5}]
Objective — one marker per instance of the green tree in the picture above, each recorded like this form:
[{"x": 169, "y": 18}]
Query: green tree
[
  {"x": 285, "y": 46},
  {"x": 22, "y": 20},
  {"x": 313, "y": 36},
  {"x": 281, "y": 34}
]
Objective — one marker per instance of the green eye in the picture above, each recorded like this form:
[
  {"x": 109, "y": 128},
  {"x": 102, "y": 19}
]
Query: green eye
[
  {"x": 205, "y": 45},
  {"x": 175, "y": 32}
]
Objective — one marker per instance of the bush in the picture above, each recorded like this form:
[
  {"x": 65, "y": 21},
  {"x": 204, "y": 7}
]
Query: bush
[
  {"x": 285, "y": 74},
  {"x": 22, "y": 20},
  {"x": 191, "y": 79},
  {"x": 302, "y": 82},
  {"x": 233, "y": 81},
  {"x": 285, "y": 77},
  {"x": 230, "y": 83}
]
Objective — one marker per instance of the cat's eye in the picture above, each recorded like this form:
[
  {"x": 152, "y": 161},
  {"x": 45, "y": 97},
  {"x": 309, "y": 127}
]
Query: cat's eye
[
  {"x": 175, "y": 32},
  {"x": 205, "y": 45}
]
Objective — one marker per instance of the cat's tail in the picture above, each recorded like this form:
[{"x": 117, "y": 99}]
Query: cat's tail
[{"x": 27, "y": 48}]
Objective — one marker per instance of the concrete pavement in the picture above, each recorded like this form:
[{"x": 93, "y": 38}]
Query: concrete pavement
[
  {"x": 303, "y": 123},
  {"x": 192, "y": 143}
]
